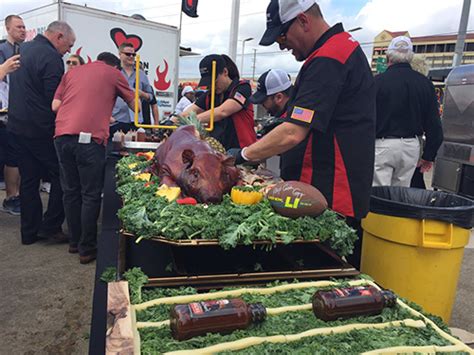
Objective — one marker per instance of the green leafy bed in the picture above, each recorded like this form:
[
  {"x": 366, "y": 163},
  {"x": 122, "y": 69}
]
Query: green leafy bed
[
  {"x": 147, "y": 215},
  {"x": 159, "y": 340}
]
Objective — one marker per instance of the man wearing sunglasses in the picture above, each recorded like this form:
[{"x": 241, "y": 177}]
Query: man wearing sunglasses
[
  {"x": 122, "y": 114},
  {"x": 331, "y": 110}
]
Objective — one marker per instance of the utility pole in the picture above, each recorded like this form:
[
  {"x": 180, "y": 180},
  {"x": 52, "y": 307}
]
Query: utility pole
[
  {"x": 234, "y": 29},
  {"x": 254, "y": 63},
  {"x": 459, "y": 49},
  {"x": 243, "y": 55}
]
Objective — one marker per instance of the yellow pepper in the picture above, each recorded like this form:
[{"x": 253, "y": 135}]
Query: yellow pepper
[
  {"x": 150, "y": 155},
  {"x": 241, "y": 197},
  {"x": 143, "y": 176},
  {"x": 170, "y": 193},
  {"x": 132, "y": 166}
]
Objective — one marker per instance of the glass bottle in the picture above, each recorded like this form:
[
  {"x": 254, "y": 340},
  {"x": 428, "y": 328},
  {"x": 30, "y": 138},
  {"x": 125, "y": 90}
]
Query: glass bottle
[
  {"x": 216, "y": 316},
  {"x": 141, "y": 135},
  {"x": 351, "y": 302}
]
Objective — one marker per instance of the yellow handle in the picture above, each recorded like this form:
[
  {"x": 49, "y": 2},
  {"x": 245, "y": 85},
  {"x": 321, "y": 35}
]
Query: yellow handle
[
  {"x": 436, "y": 235},
  {"x": 213, "y": 96},
  {"x": 158, "y": 126}
]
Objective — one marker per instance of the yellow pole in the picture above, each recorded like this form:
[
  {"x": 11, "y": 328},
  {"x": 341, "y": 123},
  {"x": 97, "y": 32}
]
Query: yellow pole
[
  {"x": 213, "y": 96},
  {"x": 137, "y": 87}
]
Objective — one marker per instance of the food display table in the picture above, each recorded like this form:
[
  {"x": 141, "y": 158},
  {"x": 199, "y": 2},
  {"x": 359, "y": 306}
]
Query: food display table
[{"x": 140, "y": 323}]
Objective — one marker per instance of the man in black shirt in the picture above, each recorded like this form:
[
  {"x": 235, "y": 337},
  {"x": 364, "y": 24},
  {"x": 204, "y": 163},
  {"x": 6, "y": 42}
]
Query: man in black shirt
[
  {"x": 332, "y": 109},
  {"x": 407, "y": 108},
  {"x": 274, "y": 89},
  {"x": 31, "y": 121}
]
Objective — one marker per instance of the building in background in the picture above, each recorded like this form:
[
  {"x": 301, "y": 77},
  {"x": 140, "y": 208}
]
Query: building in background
[{"x": 437, "y": 51}]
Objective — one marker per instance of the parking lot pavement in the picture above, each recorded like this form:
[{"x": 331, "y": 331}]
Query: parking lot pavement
[{"x": 45, "y": 295}]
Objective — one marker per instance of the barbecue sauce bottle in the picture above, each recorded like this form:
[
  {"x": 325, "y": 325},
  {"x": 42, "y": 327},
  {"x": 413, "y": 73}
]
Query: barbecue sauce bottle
[
  {"x": 217, "y": 316},
  {"x": 351, "y": 302}
]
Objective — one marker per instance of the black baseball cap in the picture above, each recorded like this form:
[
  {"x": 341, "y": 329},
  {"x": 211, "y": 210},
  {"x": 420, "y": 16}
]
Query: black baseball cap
[
  {"x": 205, "y": 67},
  {"x": 271, "y": 82},
  {"x": 279, "y": 14}
]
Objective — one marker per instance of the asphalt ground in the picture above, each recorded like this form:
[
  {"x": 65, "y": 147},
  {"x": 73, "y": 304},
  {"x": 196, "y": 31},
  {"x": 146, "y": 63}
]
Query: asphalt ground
[{"x": 46, "y": 295}]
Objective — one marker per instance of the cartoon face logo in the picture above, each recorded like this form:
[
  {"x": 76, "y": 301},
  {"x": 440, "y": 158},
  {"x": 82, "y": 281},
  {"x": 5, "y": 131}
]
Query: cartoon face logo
[
  {"x": 161, "y": 83},
  {"x": 119, "y": 36}
]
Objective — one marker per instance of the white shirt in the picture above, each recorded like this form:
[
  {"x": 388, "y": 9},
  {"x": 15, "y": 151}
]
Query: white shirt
[
  {"x": 182, "y": 105},
  {"x": 3, "y": 94}
]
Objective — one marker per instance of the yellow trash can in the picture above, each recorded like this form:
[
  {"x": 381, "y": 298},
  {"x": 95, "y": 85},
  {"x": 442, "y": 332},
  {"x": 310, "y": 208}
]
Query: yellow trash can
[{"x": 419, "y": 259}]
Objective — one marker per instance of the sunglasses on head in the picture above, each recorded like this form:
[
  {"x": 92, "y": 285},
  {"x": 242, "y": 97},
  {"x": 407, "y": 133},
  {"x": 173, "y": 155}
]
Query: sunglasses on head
[
  {"x": 282, "y": 36},
  {"x": 72, "y": 62},
  {"x": 130, "y": 54}
]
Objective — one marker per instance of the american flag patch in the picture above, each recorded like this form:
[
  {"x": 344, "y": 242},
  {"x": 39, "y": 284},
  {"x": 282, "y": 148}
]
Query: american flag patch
[
  {"x": 302, "y": 114},
  {"x": 240, "y": 98}
]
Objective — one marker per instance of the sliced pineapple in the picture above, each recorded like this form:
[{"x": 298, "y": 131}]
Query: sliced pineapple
[
  {"x": 215, "y": 144},
  {"x": 201, "y": 132}
]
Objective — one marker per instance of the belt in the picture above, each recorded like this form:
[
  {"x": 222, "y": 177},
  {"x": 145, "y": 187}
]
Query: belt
[
  {"x": 76, "y": 136},
  {"x": 398, "y": 137}
]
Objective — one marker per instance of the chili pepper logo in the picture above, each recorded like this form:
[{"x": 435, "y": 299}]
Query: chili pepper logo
[{"x": 161, "y": 83}]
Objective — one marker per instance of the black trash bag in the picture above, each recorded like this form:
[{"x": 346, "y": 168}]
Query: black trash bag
[{"x": 422, "y": 204}]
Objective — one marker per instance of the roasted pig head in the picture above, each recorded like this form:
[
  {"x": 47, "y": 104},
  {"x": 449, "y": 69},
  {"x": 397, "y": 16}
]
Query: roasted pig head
[{"x": 186, "y": 161}]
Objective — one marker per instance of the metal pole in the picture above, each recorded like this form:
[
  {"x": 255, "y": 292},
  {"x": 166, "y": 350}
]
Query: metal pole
[
  {"x": 242, "y": 62},
  {"x": 459, "y": 49},
  {"x": 234, "y": 29},
  {"x": 254, "y": 63}
]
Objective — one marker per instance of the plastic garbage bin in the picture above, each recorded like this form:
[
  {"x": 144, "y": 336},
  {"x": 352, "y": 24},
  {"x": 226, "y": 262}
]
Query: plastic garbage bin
[{"x": 414, "y": 243}]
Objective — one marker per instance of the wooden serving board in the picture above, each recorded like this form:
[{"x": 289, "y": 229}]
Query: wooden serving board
[{"x": 207, "y": 242}]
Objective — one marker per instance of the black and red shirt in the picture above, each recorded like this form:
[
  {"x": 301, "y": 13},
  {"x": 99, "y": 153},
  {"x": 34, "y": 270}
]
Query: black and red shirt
[
  {"x": 334, "y": 96},
  {"x": 236, "y": 131}
]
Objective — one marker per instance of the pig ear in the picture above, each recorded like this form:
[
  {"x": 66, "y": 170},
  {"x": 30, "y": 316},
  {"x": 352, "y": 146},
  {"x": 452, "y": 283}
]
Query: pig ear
[
  {"x": 188, "y": 157},
  {"x": 228, "y": 161}
]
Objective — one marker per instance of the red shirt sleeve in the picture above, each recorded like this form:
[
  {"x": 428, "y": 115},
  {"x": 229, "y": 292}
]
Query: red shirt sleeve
[
  {"x": 58, "y": 95},
  {"x": 123, "y": 89}
]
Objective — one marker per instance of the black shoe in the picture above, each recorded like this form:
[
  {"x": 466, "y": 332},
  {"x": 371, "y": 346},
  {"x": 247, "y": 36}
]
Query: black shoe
[
  {"x": 86, "y": 259},
  {"x": 73, "y": 250},
  {"x": 29, "y": 241},
  {"x": 58, "y": 237}
]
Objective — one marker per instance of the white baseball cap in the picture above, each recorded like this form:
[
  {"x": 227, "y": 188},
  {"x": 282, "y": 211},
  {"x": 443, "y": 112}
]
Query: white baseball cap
[
  {"x": 187, "y": 89},
  {"x": 279, "y": 13},
  {"x": 400, "y": 43},
  {"x": 271, "y": 82}
]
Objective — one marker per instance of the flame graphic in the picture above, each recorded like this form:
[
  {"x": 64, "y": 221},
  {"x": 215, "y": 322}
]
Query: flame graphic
[
  {"x": 161, "y": 83},
  {"x": 78, "y": 52}
]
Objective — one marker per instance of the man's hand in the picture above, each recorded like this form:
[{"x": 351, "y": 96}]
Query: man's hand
[
  {"x": 424, "y": 165},
  {"x": 237, "y": 154},
  {"x": 9, "y": 66},
  {"x": 144, "y": 95}
]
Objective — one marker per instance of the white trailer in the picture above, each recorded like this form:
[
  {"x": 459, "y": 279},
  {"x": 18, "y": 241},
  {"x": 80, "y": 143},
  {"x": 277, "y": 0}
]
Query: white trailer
[{"x": 99, "y": 31}]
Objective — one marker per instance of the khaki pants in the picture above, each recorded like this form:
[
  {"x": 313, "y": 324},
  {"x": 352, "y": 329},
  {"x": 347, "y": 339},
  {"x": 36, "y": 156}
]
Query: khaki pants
[{"x": 395, "y": 161}]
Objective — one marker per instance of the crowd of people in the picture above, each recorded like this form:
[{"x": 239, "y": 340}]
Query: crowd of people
[
  {"x": 339, "y": 128},
  {"x": 58, "y": 127}
]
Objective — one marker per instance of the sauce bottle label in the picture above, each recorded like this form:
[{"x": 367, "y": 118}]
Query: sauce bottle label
[
  {"x": 199, "y": 309},
  {"x": 352, "y": 291}
]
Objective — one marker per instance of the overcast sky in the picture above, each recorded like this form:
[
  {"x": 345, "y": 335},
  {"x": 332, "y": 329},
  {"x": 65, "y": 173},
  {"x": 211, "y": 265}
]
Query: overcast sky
[{"x": 209, "y": 33}]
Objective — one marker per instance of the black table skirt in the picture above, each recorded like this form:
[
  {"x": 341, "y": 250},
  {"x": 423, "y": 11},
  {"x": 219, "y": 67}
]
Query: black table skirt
[{"x": 107, "y": 256}]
